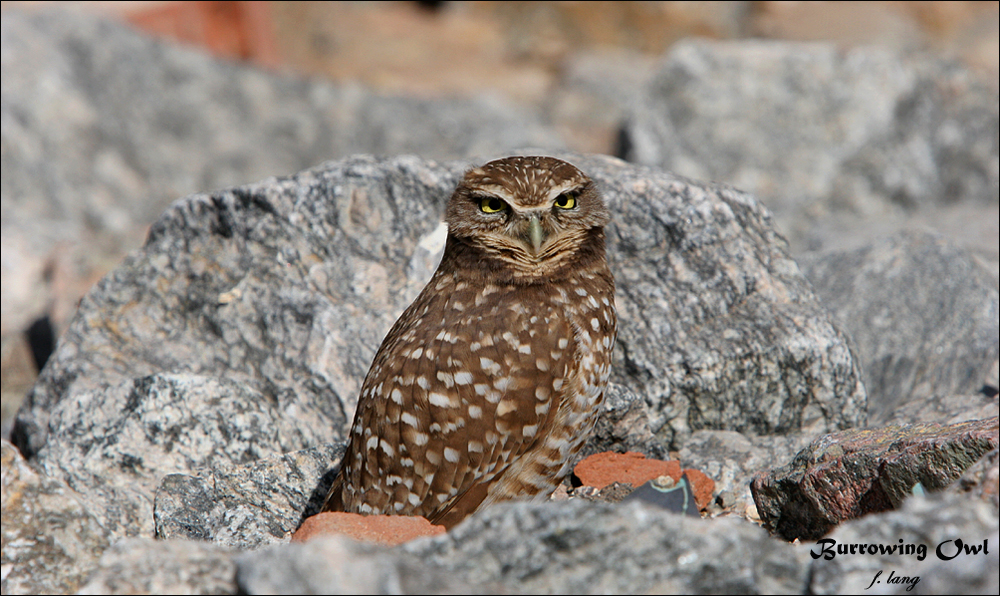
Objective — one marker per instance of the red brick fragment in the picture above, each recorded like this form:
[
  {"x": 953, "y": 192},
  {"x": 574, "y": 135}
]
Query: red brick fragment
[
  {"x": 702, "y": 486},
  {"x": 388, "y": 530},
  {"x": 601, "y": 469}
]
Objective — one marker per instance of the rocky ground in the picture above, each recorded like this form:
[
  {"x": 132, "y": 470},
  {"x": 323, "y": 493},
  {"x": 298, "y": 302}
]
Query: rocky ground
[{"x": 821, "y": 343}]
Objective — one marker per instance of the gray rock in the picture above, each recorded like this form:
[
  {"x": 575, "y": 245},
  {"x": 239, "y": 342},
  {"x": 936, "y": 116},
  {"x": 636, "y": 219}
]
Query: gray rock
[
  {"x": 581, "y": 547},
  {"x": 113, "y": 445},
  {"x": 250, "y": 505},
  {"x": 812, "y": 129},
  {"x": 50, "y": 541},
  {"x": 289, "y": 285},
  {"x": 731, "y": 459},
  {"x": 945, "y": 409},
  {"x": 922, "y": 314},
  {"x": 623, "y": 426},
  {"x": 338, "y": 565},
  {"x": 717, "y": 330},
  {"x": 982, "y": 480},
  {"x": 103, "y": 127},
  {"x": 147, "y": 566},
  {"x": 925, "y": 524}
]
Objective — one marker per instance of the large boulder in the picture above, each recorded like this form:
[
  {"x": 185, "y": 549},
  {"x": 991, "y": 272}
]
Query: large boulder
[
  {"x": 250, "y": 317},
  {"x": 922, "y": 314},
  {"x": 815, "y": 130},
  {"x": 103, "y": 127}
]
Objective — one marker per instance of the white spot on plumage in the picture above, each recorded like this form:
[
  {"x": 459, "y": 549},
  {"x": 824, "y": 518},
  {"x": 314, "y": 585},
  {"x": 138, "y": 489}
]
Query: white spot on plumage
[
  {"x": 439, "y": 399},
  {"x": 506, "y": 406},
  {"x": 446, "y": 378}
]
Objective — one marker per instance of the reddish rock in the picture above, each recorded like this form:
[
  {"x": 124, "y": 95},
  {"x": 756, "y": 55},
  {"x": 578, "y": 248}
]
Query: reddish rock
[
  {"x": 702, "y": 486},
  {"x": 601, "y": 469},
  {"x": 388, "y": 530},
  {"x": 848, "y": 474}
]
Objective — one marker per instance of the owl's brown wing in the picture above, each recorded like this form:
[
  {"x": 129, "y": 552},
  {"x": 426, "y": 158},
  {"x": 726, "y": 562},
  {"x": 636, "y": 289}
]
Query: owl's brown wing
[
  {"x": 525, "y": 380},
  {"x": 442, "y": 416}
]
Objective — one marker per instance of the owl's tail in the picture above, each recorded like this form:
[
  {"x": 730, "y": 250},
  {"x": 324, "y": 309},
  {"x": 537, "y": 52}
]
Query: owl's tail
[{"x": 334, "y": 502}]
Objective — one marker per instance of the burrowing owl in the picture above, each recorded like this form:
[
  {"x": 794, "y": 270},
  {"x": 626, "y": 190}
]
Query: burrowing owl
[{"x": 489, "y": 383}]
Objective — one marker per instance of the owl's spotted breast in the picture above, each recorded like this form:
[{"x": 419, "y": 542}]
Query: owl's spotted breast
[{"x": 491, "y": 380}]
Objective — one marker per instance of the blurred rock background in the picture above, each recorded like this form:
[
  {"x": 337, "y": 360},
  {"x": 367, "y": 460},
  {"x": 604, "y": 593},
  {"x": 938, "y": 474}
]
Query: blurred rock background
[{"x": 111, "y": 110}]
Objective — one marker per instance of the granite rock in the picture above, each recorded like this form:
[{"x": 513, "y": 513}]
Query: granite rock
[
  {"x": 147, "y": 566},
  {"x": 731, "y": 459},
  {"x": 922, "y": 315},
  {"x": 250, "y": 505},
  {"x": 925, "y": 524},
  {"x": 813, "y": 129},
  {"x": 623, "y": 426},
  {"x": 288, "y": 285},
  {"x": 50, "y": 541},
  {"x": 982, "y": 479},
  {"x": 113, "y": 445},
  {"x": 339, "y": 565},
  {"x": 103, "y": 127},
  {"x": 582, "y": 547}
]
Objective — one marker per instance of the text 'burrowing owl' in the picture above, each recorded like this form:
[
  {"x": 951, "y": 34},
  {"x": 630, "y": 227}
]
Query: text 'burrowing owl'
[{"x": 490, "y": 382}]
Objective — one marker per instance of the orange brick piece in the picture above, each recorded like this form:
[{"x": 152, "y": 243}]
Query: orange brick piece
[
  {"x": 602, "y": 469},
  {"x": 388, "y": 530},
  {"x": 702, "y": 486}
]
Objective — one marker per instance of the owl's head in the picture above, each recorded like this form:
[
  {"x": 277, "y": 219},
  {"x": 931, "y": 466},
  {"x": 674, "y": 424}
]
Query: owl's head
[{"x": 530, "y": 216}]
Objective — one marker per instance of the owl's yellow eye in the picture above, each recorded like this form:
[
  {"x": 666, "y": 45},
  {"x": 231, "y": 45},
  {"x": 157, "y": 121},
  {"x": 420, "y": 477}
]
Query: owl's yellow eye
[
  {"x": 491, "y": 205},
  {"x": 566, "y": 201}
]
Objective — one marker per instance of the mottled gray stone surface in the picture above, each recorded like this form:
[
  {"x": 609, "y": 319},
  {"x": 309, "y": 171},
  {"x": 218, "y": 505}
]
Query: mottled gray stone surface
[
  {"x": 731, "y": 459},
  {"x": 114, "y": 444},
  {"x": 921, "y": 312},
  {"x": 982, "y": 480},
  {"x": 288, "y": 285},
  {"x": 146, "y": 566},
  {"x": 338, "y": 565},
  {"x": 50, "y": 541},
  {"x": 581, "y": 547},
  {"x": 813, "y": 129},
  {"x": 247, "y": 506},
  {"x": 104, "y": 126},
  {"x": 929, "y": 522},
  {"x": 623, "y": 426}
]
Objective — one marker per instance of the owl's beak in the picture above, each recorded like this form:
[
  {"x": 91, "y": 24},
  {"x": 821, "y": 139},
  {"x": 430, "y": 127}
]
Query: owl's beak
[{"x": 535, "y": 232}]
